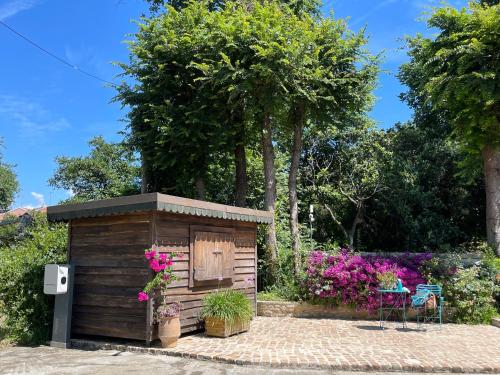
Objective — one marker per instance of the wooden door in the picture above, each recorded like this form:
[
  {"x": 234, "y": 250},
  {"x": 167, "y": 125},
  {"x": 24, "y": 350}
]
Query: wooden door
[{"x": 212, "y": 255}]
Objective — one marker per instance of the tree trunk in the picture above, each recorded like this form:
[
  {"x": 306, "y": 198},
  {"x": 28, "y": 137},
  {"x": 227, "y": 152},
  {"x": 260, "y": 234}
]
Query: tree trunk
[
  {"x": 200, "y": 188},
  {"x": 337, "y": 221},
  {"x": 357, "y": 220},
  {"x": 491, "y": 159},
  {"x": 240, "y": 161},
  {"x": 144, "y": 175},
  {"x": 299, "y": 117},
  {"x": 269, "y": 194}
]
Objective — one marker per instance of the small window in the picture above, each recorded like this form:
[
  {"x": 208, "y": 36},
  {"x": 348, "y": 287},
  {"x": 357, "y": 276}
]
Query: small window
[{"x": 212, "y": 255}]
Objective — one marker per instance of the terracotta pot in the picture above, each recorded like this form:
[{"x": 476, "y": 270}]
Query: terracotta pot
[
  {"x": 220, "y": 328},
  {"x": 169, "y": 330}
]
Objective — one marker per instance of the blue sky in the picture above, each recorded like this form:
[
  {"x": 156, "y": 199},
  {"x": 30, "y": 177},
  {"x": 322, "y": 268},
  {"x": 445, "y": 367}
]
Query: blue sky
[{"x": 47, "y": 109}]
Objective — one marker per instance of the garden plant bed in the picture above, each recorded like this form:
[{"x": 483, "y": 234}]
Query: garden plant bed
[{"x": 339, "y": 345}]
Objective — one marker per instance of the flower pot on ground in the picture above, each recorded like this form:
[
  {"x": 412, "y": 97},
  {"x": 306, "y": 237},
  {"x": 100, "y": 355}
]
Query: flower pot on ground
[
  {"x": 226, "y": 313},
  {"x": 169, "y": 324},
  {"x": 169, "y": 331}
]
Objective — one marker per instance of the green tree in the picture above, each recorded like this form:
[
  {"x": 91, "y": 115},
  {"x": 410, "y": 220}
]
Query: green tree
[
  {"x": 8, "y": 183},
  {"x": 458, "y": 72},
  {"x": 174, "y": 120},
  {"x": 298, "y": 6},
  {"x": 427, "y": 204},
  {"x": 109, "y": 170},
  {"x": 344, "y": 172},
  {"x": 211, "y": 83},
  {"x": 333, "y": 84}
]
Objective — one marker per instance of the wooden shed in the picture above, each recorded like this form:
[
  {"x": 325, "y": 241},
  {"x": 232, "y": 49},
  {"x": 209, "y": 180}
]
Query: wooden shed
[{"x": 107, "y": 239}]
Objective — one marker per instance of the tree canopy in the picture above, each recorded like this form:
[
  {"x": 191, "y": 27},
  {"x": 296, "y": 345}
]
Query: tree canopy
[
  {"x": 457, "y": 74},
  {"x": 108, "y": 171},
  {"x": 210, "y": 84},
  {"x": 9, "y": 185}
]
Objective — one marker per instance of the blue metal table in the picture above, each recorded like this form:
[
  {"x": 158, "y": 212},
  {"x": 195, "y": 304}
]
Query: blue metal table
[{"x": 398, "y": 305}]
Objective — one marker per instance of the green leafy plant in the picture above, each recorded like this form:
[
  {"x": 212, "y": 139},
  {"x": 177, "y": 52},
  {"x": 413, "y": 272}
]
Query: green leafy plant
[
  {"x": 387, "y": 280},
  {"x": 269, "y": 296},
  {"x": 471, "y": 297},
  {"x": 227, "y": 305},
  {"x": 26, "y": 310}
]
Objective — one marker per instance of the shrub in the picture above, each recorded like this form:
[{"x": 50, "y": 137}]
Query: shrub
[
  {"x": 351, "y": 279},
  {"x": 228, "y": 305},
  {"x": 471, "y": 296},
  {"x": 469, "y": 292},
  {"x": 270, "y": 296},
  {"x": 8, "y": 233},
  {"x": 26, "y": 309}
]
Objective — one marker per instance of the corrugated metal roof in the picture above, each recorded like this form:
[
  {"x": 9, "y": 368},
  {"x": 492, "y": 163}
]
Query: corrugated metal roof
[{"x": 156, "y": 202}]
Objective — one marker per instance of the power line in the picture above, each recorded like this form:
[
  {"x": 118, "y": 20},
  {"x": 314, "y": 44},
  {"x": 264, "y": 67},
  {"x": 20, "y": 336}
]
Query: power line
[{"x": 61, "y": 60}]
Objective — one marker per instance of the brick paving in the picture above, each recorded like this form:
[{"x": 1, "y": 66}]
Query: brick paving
[{"x": 342, "y": 345}]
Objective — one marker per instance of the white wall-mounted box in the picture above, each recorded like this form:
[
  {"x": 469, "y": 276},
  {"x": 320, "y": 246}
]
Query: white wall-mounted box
[{"x": 55, "y": 279}]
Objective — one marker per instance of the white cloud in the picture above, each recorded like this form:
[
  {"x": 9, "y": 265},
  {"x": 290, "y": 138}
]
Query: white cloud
[
  {"x": 13, "y": 7},
  {"x": 31, "y": 118},
  {"x": 40, "y": 199},
  {"x": 70, "y": 193}
]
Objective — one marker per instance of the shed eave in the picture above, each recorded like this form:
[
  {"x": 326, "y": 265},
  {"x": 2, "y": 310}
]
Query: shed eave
[{"x": 156, "y": 202}]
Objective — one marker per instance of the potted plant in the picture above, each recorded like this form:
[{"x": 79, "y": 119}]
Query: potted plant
[
  {"x": 387, "y": 280},
  {"x": 169, "y": 325},
  {"x": 167, "y": 315},
  {"x": 226, "y": 313}
]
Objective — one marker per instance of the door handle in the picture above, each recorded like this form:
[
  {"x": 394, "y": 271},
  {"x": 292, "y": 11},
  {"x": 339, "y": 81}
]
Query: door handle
[{"x": 216, "y": 251}]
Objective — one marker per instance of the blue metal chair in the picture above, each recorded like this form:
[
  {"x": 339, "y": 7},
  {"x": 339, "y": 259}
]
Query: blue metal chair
[{"x": 419, "y": 301}]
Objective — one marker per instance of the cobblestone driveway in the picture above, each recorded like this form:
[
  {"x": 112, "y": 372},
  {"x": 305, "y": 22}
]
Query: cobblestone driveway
[
  {"x": 346, "y": 345},
  {"x": 45, "y": 360}
]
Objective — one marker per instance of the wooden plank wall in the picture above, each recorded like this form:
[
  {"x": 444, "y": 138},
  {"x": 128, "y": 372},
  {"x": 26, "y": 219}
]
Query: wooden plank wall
[
  {"x": 108, "y": 253},
  {"x": 173, "y": 234}
]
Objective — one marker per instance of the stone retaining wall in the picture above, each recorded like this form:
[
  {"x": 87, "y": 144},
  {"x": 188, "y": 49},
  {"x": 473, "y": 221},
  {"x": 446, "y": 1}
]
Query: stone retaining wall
[
  {"x": 467, "y": 259},
  {"x": 307, "y": 310}
]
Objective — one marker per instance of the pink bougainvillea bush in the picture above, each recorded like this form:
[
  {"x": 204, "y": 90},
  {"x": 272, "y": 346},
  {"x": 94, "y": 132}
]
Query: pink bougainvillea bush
[
  {"x": 347, "y": 278},
  {"x": 162, "y": 265}
]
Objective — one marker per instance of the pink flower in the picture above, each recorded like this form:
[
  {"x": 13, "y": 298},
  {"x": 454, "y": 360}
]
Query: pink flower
[
  {"x": 150, "y": 254},
  {"x": 169, "y": 262},
  {"x": 142, "y": 297},
  {"x": 166, "y": 277},
  {"x": 156, "y": 266},
  {"x": 163, "y": 257}
]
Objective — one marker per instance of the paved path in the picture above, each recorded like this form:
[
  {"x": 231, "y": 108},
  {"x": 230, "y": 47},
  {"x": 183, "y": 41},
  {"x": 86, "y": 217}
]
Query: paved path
[
  {"x": 344, "y": 345},
  {"x": 45, "y": 360}
]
